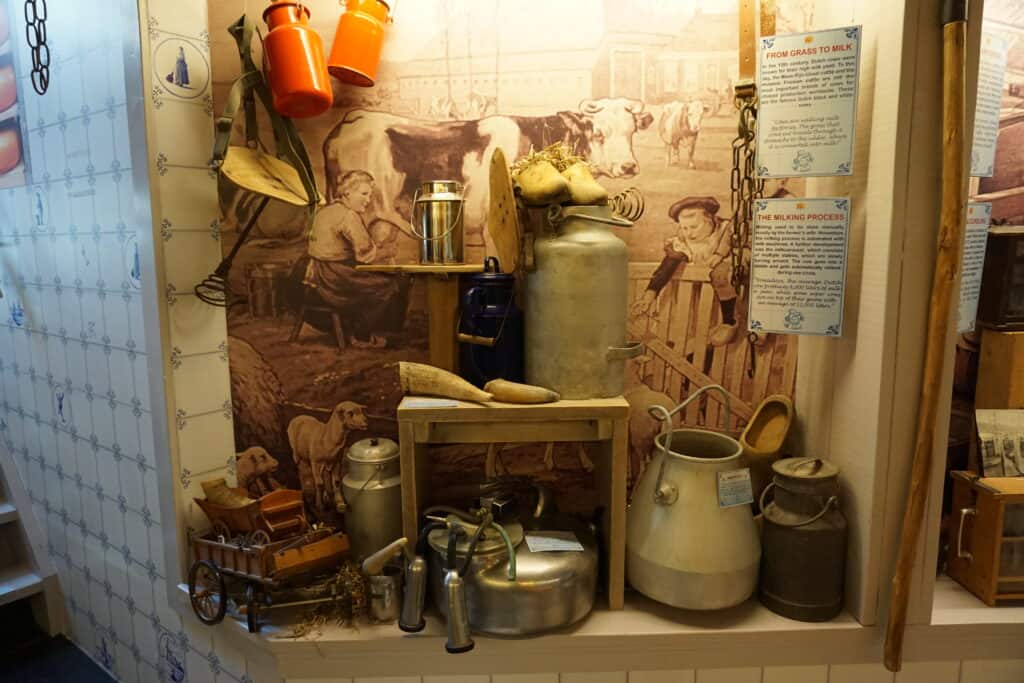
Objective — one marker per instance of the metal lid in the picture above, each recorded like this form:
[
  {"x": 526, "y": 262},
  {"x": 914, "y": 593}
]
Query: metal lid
[
  {"x": 490, "y": 542},
  {"x": 440, "y": 190},
  {"x": 805, "y": 469},
  {"x": 373, "y": 450}
]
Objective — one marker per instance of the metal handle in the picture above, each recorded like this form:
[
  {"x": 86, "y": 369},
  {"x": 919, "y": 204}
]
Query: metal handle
[
  {"x": 374, "y": 564},
  {"x": 451, "y": 227},
  {"x": 632, "y": 349},
  {"x": 832, "y": 500},
  {"x": 666, "y": 493},
  {"x": 960, "y": 554}
]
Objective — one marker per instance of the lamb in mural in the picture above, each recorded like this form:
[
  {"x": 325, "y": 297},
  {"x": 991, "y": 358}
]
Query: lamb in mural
[
  {"x": 319, "y": 446},
  {"x": 400, "y": 152},
  {"x": 256, "y": 469},
  {"x": 679, "y": 127}
]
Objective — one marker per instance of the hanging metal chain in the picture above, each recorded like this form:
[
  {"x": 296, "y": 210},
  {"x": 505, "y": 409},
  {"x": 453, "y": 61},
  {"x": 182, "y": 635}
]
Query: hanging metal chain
[
  {"x": 35, "y": 34},
  {"x": 746, "y": 187}
]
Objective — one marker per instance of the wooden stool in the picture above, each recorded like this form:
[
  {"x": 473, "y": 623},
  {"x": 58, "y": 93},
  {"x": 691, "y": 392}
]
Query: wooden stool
[
  {"x": 311, "y": 303},
  {"x": 602, "y": 420}
]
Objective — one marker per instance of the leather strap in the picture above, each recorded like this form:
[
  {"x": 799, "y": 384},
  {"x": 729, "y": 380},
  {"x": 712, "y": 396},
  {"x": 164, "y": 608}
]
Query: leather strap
[
  {"x": 748, "y": 47},
  {"x": 250, "y": 86}
]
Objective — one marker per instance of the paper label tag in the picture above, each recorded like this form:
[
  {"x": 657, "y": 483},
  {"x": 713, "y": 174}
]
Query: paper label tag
[
  {"x": 734, "y": 488},
  {"x": 430, "y": 403},
  {"x": 553, "y": 541}
]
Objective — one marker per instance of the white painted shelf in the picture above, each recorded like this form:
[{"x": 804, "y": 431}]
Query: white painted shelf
[
  {"x": 955, "y": 605},
  {"x": 18, "y": 582},
  {"x": 8, "y": 513}
]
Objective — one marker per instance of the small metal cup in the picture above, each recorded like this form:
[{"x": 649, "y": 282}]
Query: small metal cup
[{"x": 386, "y": 594}]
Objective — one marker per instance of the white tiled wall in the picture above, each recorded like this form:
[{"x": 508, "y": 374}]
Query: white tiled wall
[
  {"x": 1004, "y": 671},
  {"x": 75, "y": 403}
]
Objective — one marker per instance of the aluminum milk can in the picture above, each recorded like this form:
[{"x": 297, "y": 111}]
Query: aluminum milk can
[
  {"x": 437, "y": 211},
  {"x": 372, "y": 487},
  {"x": 576, "y": 306},
  {"x": 803, "y": 568},
  {"x": 491, "y": 328},
  {"x": 682, "y": 547}
]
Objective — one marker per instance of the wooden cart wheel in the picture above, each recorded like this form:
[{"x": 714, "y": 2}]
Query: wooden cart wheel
[
  {"x": 259, "y": 537},
  {"x": 252, "y": 608},
  {"x": 207, "y": 592},
  {"x": 221, "y": 529}
]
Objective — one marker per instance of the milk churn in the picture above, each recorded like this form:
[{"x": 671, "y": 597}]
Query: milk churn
[
  {"x": 491, "y": 328},
  {"x": 576, "y": 306},
  {"x": 293, "y": 59},
  {"x": 683, "y": 548},
  {"x": 373, "y": 490},
  {"x": 437, "y": 221},
  {"x": 804, "y": 563}
]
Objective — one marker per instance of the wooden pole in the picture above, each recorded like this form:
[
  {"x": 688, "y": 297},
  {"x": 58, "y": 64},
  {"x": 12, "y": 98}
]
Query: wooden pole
[{"x": 947, "y": 263}]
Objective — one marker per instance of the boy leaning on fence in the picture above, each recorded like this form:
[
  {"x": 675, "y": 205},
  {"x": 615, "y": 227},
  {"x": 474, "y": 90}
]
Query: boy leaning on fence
[{"x": 702, "y": 238}]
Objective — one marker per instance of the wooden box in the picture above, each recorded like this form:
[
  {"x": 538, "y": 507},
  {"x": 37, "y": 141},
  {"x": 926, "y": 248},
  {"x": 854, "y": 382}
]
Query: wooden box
[
  {"x": 986, "y": 552},
  {"x": 1000, "y": 371}
]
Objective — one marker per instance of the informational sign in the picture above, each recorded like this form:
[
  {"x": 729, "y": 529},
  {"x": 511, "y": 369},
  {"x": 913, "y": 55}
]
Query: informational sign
[
  {"x": 991, "y": 74},
  {"x": 798, "y": 266},
  {"x": 807, "y": 103},
  {"x": 979, "y": 216},
  {"x": 734, "y": 488}
]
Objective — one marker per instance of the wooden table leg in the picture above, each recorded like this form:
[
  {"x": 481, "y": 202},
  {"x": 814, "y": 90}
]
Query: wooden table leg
[
  {"x": 613, "y": 472},
  {"x": 410, "y": 497},
  {"x": 443, "y": 307}
]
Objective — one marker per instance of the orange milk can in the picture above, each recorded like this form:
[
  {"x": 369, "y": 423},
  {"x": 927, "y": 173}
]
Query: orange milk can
[
  {"x": 357, "y": 42},
  {"x": 293, "y": 58}
]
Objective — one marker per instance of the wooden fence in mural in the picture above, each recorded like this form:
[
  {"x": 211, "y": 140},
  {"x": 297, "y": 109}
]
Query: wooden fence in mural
[{"x": 680, "y": 359}]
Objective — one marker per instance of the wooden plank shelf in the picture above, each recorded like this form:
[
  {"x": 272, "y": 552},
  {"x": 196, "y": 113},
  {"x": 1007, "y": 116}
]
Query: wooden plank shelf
[{"x": 423, "y": 268}]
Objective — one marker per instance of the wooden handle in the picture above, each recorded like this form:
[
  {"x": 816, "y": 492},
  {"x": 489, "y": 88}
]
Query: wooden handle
[
  {"x": 947, "y": 261},
  {"x": 489, "y": 342}
]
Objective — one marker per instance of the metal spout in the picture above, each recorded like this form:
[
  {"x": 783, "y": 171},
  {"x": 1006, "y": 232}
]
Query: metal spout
[
  {"x": 459, "y": 638},
  {"x": 411, "y": 619}
]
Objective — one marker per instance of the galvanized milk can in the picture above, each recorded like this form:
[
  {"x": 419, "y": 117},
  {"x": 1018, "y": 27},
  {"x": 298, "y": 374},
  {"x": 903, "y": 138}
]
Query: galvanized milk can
[
  {"x": 372, "y": 487},
  {"x": 576, "y": 306},
  {"x": 437, "y": 221},
  {"x": 687, "y": 545},
  {"x": 804, "y": 563}
]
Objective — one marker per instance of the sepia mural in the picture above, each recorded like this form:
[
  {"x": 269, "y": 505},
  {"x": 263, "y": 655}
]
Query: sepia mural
[{"x": 643, "y": 89}]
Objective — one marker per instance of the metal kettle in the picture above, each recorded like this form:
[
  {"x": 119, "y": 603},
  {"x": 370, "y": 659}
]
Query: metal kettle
[{"x": 485, "y": 577}]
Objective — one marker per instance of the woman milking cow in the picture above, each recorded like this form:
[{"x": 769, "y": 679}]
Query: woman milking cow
[{"x": 372, "y": 306}]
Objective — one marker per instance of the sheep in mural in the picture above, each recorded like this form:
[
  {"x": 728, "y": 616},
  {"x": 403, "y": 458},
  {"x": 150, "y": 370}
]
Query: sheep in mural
[
  {"x": 319, "y": 446},
  {"x": 257, "y": 400},
  {"x": 255, "y": 469}
]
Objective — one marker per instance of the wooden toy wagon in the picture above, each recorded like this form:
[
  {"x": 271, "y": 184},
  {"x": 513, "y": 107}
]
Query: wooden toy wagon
[
  {"x": 275, "y": 516},
  {"x": 252, "y": 573}
]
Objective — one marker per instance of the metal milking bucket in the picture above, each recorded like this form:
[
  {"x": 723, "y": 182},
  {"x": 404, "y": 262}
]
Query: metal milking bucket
[{"x": 437, "y": 220}]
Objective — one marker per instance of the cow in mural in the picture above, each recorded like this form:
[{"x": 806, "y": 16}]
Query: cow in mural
[
  {"x": 679, "y": 127},
  {"x": 401, "y": 152}
]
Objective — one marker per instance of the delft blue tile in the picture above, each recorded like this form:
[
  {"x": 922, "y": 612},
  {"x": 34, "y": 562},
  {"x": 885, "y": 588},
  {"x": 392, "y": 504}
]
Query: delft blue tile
[{"x": 77, "y": 153}]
